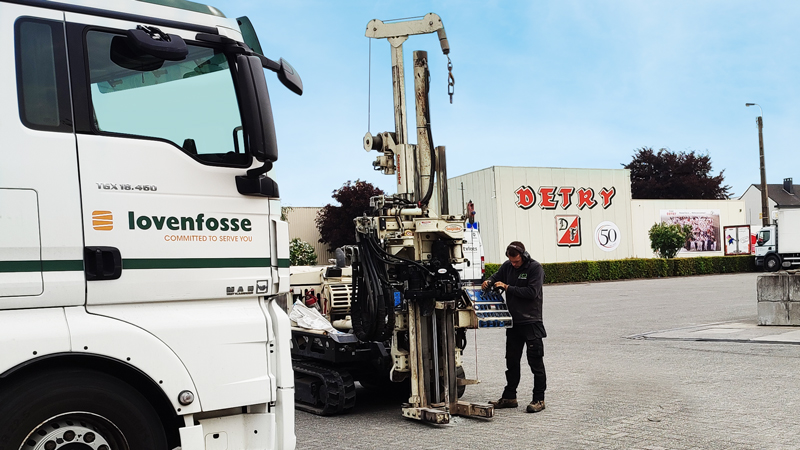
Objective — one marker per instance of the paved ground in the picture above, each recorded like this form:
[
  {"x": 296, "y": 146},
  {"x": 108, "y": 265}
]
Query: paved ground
[
  {"x": 747, "y": 331},
  {"x": 615, "y": 379}
]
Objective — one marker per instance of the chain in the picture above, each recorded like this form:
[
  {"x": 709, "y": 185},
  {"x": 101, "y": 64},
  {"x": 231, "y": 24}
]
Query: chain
[{"x": 451, "y": 82}]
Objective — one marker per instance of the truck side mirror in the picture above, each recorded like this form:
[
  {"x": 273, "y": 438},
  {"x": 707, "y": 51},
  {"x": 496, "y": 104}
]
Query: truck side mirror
[
  {"x": 146, "y": 48},
  {"x": 290, "y": 78},
  {"x": 124, "y": 54},
  {"x": 154, "y": 42},
  {"x": 259, "y": 126}
]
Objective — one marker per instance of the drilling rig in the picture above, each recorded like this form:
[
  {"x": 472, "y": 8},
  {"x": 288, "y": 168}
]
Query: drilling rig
[{"x": 408, "y": 311}]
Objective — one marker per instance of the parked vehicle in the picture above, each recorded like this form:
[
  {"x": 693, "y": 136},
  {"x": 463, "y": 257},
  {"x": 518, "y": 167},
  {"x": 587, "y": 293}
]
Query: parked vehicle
[
  {"x": 778, "y": 245},
  {"x": 472, "y": 270},
  {"x": 142, "y": 255}
]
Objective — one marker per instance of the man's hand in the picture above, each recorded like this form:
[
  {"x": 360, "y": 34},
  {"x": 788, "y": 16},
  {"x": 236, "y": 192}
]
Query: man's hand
[
  {"x": 501, "y": 285},
  {"x": 485, "y": 284}
]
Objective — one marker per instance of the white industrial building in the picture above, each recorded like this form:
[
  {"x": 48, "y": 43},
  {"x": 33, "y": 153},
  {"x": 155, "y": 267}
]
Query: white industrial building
[
  {"x": 303, "y": 225},
  {"x": 581, "y": 214},
  {"x": 566, "y": 215}
]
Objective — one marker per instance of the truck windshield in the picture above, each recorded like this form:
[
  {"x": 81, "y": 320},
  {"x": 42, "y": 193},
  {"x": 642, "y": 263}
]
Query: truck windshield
[
  {"x": 763, "y": 237},
  {"x": 190, "y": 103}
]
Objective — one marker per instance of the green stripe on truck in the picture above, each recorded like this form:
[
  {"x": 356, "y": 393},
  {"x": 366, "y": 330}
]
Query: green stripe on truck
[{"x": 41, "y": 266}]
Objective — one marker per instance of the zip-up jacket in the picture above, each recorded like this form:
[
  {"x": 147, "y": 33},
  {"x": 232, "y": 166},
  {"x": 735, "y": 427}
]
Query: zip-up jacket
[{"x": 524, "y": 293}]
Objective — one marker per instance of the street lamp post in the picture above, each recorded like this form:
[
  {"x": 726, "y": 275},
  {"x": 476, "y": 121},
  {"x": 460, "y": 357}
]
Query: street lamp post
[{"x": 764, "y": 196}]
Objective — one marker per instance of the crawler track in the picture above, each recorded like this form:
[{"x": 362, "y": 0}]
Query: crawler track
[{"x": 322, "y": 390}]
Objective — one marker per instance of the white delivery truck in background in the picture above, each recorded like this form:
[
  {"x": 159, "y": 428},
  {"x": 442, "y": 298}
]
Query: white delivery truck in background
[
  {"x": 778, "y": 245},
  {"x": 472, "y": 270},
  {"x": 142, "y": 255}
]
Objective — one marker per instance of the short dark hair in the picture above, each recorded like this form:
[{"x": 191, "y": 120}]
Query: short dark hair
[{"x": 515, "y": 248}]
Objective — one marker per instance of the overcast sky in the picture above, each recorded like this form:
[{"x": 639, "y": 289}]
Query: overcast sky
[{"x": 552, "y": 83}]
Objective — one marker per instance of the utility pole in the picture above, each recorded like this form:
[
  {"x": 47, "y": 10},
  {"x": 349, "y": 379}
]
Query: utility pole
[
  {"x": 764, "y": 195},
  {"x": 463, "y": 205}
]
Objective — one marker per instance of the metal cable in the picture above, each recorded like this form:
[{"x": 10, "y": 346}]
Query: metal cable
[{"x": 369, "y": 86}]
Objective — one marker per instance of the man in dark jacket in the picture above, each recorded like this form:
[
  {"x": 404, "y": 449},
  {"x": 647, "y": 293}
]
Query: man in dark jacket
[{"x": 522, "y": 278}]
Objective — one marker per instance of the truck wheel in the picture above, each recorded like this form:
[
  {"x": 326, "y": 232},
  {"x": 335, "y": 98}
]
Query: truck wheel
[
  {"x": 772, "y": 263},
  {"x": 461, "y": 374},
  {"x": 77, "y": 410}
]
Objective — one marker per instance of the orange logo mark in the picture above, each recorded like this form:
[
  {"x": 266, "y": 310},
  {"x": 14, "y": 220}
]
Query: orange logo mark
[{"x": 102, "y": 220}]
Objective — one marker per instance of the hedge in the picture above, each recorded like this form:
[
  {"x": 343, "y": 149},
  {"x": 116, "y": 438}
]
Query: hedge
[{"x": 622, "y": 269}]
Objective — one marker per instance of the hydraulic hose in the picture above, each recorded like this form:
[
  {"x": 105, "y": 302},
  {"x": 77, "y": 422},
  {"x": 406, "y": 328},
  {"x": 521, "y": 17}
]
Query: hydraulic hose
[
  {"x": 429, "y": 193},
  {"x": 372, "y": 311}
]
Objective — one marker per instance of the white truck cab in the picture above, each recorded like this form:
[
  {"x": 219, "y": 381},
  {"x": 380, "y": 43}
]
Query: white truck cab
[
  {"x": 778, "y": 245},
  {"x": 142, "y": 255}
]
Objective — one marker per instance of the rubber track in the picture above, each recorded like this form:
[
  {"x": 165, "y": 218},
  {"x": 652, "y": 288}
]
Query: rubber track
[{"x": 339, "y": 386}]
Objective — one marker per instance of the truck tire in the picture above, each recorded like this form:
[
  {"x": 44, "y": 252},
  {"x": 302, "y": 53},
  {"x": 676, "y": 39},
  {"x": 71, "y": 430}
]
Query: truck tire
[
  {"x": 77, "y": 409},
  {"x": 461, "y": 374},
  {"x": 772, "y": 263}
]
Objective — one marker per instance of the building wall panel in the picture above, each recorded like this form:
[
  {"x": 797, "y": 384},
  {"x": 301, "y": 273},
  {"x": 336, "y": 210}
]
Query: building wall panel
[
  {"x": 302, "y": 225},
  {"x": 480, "y": 188},
  {"x": 535, "y": 224},
  {"x": 646, "y": 213}
]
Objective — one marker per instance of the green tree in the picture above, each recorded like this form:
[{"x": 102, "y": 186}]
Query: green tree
[
  {"x": 666, "y": 239},
  {"x": 666, "y": 174},
  {"x": 301, "y": 253},
  {"x": 335, "y": 223}
]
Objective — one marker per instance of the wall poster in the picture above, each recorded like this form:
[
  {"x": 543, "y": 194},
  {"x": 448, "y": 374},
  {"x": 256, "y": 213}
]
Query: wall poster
[
  {"x": 705, "y": 235},
  {"x": 737, "y": 240}
]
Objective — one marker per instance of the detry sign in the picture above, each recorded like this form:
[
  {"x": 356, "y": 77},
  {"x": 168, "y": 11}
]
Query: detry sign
[{"x": 551, "y": 197}]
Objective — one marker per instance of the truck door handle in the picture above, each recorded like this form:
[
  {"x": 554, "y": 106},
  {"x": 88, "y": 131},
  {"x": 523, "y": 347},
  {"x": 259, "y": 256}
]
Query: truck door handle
[{"x": 102, "y": 263}]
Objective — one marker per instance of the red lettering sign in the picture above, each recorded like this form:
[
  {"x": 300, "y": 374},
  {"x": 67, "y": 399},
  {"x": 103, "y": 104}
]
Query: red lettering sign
[
  {"x": 547, "y": 200},
  {"x": 525, "y": 197},
  {"x": 550, "y": 196},
  {"x": 607, "y": 196},
  {"x": 586, "y": 198},
  {"x": 566, "y": 196}
]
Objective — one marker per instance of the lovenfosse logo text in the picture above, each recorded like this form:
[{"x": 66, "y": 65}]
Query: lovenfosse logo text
[{"x": 187, "y": 223}]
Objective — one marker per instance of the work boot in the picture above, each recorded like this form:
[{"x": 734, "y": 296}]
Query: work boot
[
  {"x": 505, "y": 403},
  {"x": 535, "y": 407}
]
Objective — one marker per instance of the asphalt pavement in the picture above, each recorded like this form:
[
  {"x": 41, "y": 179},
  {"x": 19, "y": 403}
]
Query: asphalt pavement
[{"x": 670, "y": 363}]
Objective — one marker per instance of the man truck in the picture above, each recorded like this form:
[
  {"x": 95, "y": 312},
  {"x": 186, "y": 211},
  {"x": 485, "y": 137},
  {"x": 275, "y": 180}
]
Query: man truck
[
  {"x": 142, "y": 255},
  {"x": 778, "y": 245}
]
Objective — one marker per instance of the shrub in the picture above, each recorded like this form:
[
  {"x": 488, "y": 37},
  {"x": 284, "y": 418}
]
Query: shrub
[
  {"x": 667, "y": 239},
  {"x": 301, "y": 253},
  {"x": 489, "y": 269},
  {"x": 621, "y": 269}
]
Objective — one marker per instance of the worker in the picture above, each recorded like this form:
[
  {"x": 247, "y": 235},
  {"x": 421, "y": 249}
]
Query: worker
[{"x": 522, "y": 277}]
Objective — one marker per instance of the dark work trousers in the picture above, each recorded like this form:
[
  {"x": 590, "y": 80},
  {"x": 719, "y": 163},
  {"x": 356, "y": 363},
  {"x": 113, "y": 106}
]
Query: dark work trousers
[{"x": 528, "y": 337}]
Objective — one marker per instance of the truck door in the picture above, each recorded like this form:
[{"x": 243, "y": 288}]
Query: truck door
[
  {"x": 171, "y": 244},
  {"x": 40, "y": 214},
  {"x": 159, "y": 144}
]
